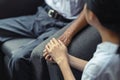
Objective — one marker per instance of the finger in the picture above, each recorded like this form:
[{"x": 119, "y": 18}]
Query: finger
[
  {"x": 47, "y": 48},
  {"x": 65, "y": 41},
  {"x": 44, "y": 50},
  {"x": 51, "y": 42},
  {"x": 45, "y": 54},
  {"x": 55, "y": 41},
  {"x": 51, "y": 45},
  {"x": 51, "y": 59},
  {"x": 48, "y": 44},
  {"x": 62, "y": 38},
  {"x": 59, "y": 37},
  {"x": 61, "y": 43},
  {"x": 47, "y": 57}
]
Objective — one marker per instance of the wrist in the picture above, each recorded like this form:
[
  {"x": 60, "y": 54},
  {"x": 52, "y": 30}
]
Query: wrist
[
  {"x": 69, "y": 32},
  {"x": 63, "y": 64},
  {"x": 60, "y": 61}
]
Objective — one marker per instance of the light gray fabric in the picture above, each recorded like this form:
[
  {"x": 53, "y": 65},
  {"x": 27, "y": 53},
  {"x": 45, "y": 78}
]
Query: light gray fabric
[
  {"x": 32, "y": 27},
  {"x": 70, "y": 9},
  {"x": 82, "y": 46},
  {"x": 16, "y": 28},
  {"x": 41, "y": 46},
  {"x": 28, "y": 26},
  {"x": 105, "y": 64},
  {"x": 14, "y": 44},
  {"x": 39, "y": 27},
  {"x": 38, "y": 61}
]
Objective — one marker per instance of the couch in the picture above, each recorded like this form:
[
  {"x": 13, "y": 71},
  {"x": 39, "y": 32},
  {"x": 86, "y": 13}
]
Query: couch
[
  {"x": 8, "y": 9},
  {"x": 14, "y": 8}
]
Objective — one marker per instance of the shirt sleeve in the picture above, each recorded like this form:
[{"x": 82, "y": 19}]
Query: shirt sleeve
[
  {"x": 90, "y": 72},
  {"x": 92, "y": 69},
  {"x": 100, "y": 66}
]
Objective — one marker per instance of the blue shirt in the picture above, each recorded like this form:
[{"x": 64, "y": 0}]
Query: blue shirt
[{"x": 105, "y": 64}]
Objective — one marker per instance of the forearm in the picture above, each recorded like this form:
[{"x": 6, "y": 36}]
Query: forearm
[
  {"x": 66, "y": 71},
  {"x": 78, "y": 24},
  {"x": 77, "y": 63}
]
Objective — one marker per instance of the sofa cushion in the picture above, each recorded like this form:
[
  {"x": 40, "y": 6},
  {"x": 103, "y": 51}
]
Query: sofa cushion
[{"x": 11, "y": 45}]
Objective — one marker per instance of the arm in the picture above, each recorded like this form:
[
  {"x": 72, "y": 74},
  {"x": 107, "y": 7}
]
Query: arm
[
  {"x": 58, "y": 51},
  {"x": 77, "y": 63},
  {"x": 78, "y": 24},
  {"x": 75, "y": 27},
  {"x": 66, "y": 70}
]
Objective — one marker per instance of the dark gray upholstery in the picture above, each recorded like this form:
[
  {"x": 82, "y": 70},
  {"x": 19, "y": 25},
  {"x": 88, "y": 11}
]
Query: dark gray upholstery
[
  {"x": 28, "y": 8},
  {"x": 14, "y": 44},
  {"x": 14, "y": 8},
  {"x": 10, "y": 46},
  {"x": 83, "y": 46}
]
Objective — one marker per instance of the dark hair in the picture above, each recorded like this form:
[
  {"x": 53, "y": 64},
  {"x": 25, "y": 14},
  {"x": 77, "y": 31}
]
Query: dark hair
[
  {"x": 118, "y": 51},
  {"x": 108, "y": 13}
]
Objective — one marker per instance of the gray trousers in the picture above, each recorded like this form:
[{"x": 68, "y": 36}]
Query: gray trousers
[
  {"x": 39, "y": 27},
  {"x": 82, "y": 46},
  {"x": 31, "y": 26}
]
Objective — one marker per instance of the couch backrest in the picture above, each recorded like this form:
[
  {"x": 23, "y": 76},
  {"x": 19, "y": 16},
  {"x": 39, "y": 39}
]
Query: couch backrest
[{"x": 10, "y": 8}]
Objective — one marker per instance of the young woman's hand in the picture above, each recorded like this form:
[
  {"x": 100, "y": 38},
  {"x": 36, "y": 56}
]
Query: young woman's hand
[
  {"x": 47, "y": 56},
  {"x": 56, "y": 51}
]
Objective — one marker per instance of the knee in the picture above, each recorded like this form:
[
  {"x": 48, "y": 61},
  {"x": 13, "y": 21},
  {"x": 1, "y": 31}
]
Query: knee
[
  {"x": 16, "y": 62},
  {"x": 36, "y": 57},
  {"x": 37, "y": 53}
]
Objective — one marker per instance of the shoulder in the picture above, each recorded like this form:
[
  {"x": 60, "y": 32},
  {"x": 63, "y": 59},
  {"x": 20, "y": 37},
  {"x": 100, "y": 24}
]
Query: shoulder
[
  {"x": 104, "y": 60},
  {"x": 96, "y": 66},
  {"x": 99, "y": 65}
]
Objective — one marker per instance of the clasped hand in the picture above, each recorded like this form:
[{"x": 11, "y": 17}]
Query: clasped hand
[{"x": 55, "y": 51}]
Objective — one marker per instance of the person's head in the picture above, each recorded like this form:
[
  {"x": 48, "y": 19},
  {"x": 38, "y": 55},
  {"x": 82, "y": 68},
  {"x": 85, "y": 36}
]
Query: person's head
[{"x": 104, "y": 14}]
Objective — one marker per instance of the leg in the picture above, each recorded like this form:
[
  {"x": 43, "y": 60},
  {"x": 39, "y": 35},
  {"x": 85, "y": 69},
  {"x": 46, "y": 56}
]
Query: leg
[
  {"x": 43, "y": 27},
  {"x": 16, "y": 27},
  {"x": 84, "y": 45},
  {"x": 86, "y": 41},
  {"x": 39, "y": 64},
  {"x": 19, "y": 27},
  {"x": 20, "y": 64}
]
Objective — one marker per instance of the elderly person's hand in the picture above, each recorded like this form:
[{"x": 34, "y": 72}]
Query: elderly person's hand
[
  {"x": 66, "y": 38},
  {"x": 55, "y": 51}
]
